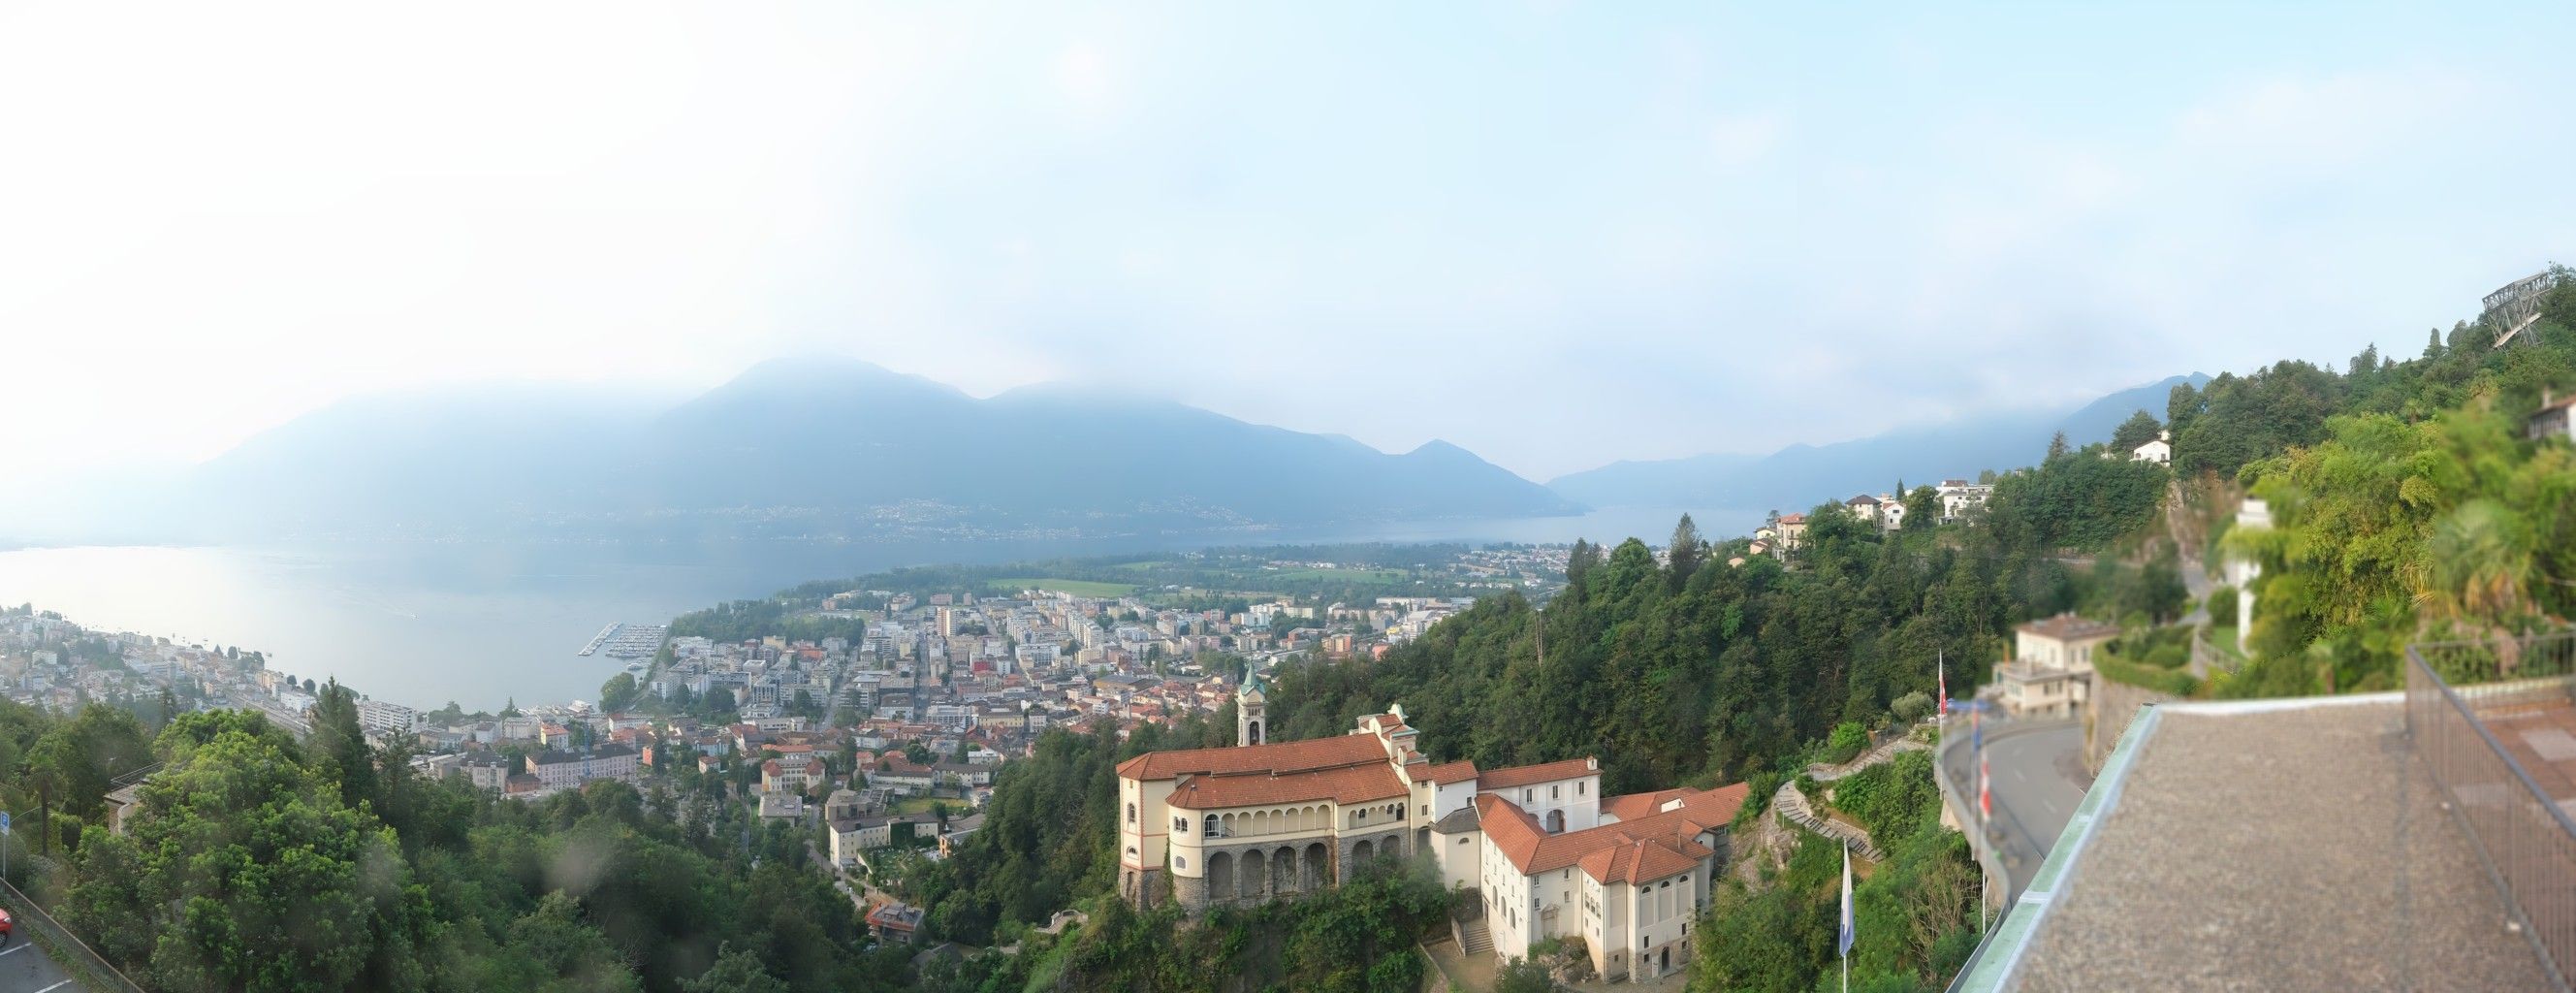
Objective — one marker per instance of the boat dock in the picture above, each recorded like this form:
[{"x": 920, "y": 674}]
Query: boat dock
[{"x": 627, "y": 641}]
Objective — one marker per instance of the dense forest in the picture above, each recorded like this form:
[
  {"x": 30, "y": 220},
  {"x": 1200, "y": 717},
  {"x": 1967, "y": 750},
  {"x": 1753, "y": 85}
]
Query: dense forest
[
  {"x": 1692, "y": 671},
  {"x": 260, "y": 863}
]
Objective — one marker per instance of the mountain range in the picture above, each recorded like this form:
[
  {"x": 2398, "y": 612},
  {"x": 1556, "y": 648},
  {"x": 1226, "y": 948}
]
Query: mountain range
[
  {"x": 1802, "y": 476},
  {"x": 841, "y": 449},
  {"x": 823, "y": 447}
]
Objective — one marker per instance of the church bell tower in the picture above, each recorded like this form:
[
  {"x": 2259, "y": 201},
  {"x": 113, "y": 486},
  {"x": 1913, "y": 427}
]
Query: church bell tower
[{"x": 1251, "y": 718}]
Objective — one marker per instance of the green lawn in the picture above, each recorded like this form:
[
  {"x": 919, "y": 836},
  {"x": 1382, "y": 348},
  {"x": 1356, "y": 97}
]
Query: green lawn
[
  {"x": 922, "y": 804},
  {"x": 1345, "y": 575},
  {"x": 1077, "y": 587}
]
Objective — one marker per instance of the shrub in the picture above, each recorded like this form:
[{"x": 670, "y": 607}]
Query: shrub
[
  {"x": 2222, "y": 606},
  {"x": 1912, "y": 707},
  {"x": 2120, "y": 670},
  {"x": 1847, "y": 742}
]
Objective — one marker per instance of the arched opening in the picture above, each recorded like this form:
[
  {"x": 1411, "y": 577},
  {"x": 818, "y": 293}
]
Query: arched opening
[
  {"x": 1364, "y": 851},
  {"x": 1211, "y": 826},
  {"x": 1261, "y": 822},
  {"x": 1556, "y": 822},
  {"x": 1220, "y": 876},
  {"x": 1283, "y": 871},
  {"x": 1311, "y": 868},
  {"x": 1256, "y": 871},
  {"x": 1252, "y": 732}
]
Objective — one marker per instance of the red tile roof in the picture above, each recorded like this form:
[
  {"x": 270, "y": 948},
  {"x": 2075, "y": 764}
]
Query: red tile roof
[
  {"x": 1443, "y": 775},
  {"x": 1643, "y": 861},
  {"x": 1638, "y": 805},
  {"x": 1347, "y": 785},
  {"x": 1532, "y": 850},
  {"x": 1524, "y": 775},
  {"x": 1276, "y": 757}
]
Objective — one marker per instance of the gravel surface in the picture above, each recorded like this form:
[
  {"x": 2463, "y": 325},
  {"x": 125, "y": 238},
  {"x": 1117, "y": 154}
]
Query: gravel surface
[{"x": 2293, "y": 850}]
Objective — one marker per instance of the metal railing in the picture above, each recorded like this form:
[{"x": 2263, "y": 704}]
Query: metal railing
[
  {"x": 2454, "y": 692},
  {"x": 58, "y": 941}
]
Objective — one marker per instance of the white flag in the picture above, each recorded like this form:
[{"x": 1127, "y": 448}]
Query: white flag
[{"x": 1844, "y": 942}]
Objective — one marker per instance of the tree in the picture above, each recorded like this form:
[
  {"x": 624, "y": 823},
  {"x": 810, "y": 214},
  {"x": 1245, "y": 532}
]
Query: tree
[
  {"x": 2057, "y": 447},
  {"x": 2182, "y": 403},
  {"x": 1523, "y": 976},
  {"x": 735, "y": 971},
  {"x": 1922, "y": 509},
  {"x": 618, "y": 693},
  {"x": 1683, "y": 555},
  {"x": 243, "y": 870},
  {"x": 2139, "y": 429},
  {"x": 341, "y": 743}
]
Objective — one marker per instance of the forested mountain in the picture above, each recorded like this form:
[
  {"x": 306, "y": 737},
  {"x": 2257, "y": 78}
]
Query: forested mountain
[
  {"x": 814, "y": 448},
  {"x": 1799, "y": 474}
]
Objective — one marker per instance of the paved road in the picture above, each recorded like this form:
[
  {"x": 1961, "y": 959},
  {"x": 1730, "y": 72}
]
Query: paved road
[
  {"x": 25, "y": 969},
  {"x": 2036, "y": 772}
]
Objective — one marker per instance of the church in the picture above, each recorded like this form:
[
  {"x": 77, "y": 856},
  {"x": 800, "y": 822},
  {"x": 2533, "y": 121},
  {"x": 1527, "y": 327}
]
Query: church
[{"x": 1547, "y": 855}]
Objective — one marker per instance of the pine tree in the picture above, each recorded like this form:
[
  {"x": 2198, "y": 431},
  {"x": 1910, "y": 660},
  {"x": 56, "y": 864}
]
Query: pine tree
[
  {"x": 1685, "y": 552},
  {"x": 2057, "y": 447}
]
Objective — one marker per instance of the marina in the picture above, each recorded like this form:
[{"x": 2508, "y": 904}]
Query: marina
[{"x": 627, "y": 641}]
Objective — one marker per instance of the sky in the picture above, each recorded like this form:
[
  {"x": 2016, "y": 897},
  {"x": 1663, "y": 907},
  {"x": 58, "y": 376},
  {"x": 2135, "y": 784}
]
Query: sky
[{"x": 1556, "y": 234}]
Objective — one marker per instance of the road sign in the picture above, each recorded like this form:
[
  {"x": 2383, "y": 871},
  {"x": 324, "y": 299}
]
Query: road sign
[{"x": 4, "y": 822}]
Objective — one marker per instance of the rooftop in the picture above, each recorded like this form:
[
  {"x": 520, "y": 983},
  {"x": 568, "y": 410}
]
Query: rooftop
[
  {"x": 1345, "y": 785},
  {"x": 2069, "y": 627},
  {"x": 2295, "y": 844},
  {"x": 1283, "y": 756},
  {"x": 1532, "y": 850},
  {"x": 1523, "y": 775}
]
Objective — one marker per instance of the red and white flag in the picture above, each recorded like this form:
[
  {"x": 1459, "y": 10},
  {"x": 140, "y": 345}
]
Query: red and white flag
[
  {"x": 1941, "y": 674},
  {"x": 1985, "y": 797}
]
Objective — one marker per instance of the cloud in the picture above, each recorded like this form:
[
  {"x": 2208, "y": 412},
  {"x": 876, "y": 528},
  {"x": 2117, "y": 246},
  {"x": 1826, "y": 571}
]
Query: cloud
[{"x": 1556, "y": 236}]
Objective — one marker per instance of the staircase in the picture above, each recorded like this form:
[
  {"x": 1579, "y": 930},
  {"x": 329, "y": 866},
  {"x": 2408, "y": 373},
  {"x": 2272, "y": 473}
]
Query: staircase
[
  {"x": 1823, "y": 773},
  {"x": 1791, "y": 804},
  {"x": 1474, "y": 938}
]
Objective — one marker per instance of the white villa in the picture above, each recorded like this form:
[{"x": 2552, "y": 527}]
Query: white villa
[
  {"x": 2158, "y": 451},
  {"x": 2052, "y": 672},
  {"x": 1548, "y": 854}
]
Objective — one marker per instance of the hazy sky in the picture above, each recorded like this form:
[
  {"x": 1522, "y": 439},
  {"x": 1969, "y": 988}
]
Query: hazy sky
[{"x": 1556, "y": 234}]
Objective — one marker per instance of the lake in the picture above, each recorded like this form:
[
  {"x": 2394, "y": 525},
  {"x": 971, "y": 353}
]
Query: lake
[{"x": 482, "y": 624}]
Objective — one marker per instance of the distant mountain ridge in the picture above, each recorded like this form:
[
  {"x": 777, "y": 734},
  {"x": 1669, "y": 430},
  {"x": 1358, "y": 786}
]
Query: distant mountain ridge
[
  {"x": 822, "y": 447},
  {"x": 1801, "y": 476}
]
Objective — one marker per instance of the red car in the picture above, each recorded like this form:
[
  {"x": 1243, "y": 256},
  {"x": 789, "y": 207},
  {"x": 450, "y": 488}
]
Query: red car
[{"x": 6, "y": 926}]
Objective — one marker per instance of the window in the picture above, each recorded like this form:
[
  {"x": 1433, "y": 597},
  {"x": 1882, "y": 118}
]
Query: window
[
  {"x": 1578, "y": 787},
  {"x": 1131, "y": 813},
  {"x": 1180, "y": 863},
  {"x": 1554, "y": 791},
  {"x": 1212, "y": 827},
  {"x": 1180, "y": 825},
  {"x": 1525, "y": 795}
]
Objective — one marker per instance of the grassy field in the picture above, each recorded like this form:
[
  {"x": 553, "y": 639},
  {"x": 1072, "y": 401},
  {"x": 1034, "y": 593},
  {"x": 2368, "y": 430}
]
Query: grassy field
[
  {"x": 1077, "y": 587},
  {"x": 1337, "y": 575},
  {"x": 923, "y": 804}
]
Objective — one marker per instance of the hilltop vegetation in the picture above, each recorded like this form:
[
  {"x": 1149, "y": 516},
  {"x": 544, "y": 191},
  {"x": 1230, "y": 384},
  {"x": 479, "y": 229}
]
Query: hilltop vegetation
[
  {"x": 258, "y": 863},
  {"x": 2406, "y": 503}
]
